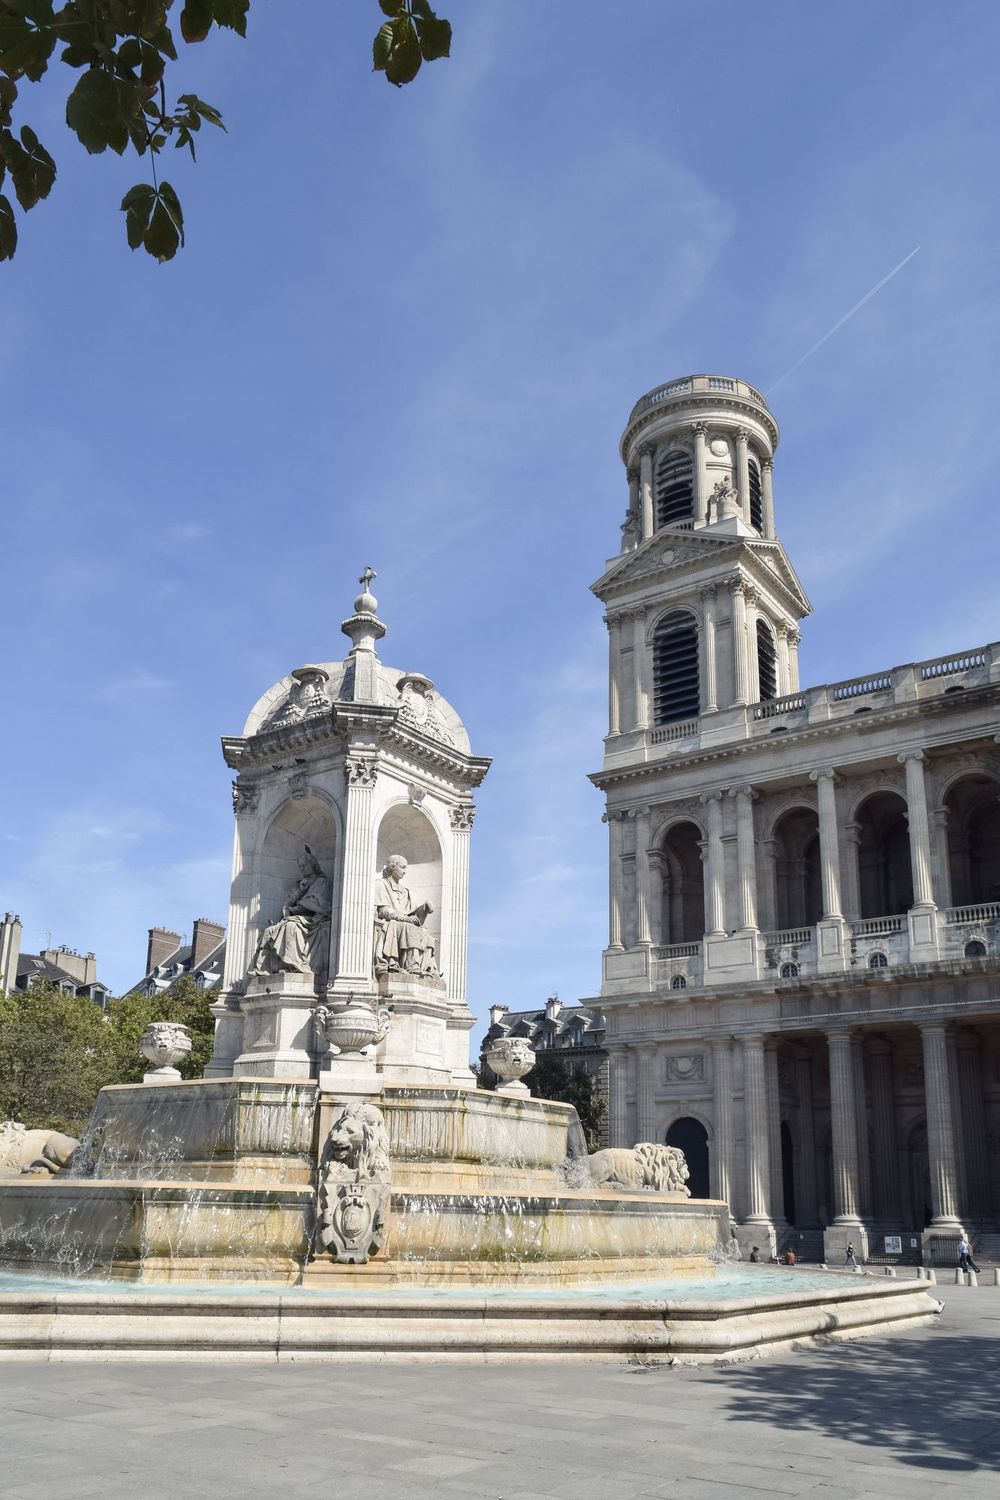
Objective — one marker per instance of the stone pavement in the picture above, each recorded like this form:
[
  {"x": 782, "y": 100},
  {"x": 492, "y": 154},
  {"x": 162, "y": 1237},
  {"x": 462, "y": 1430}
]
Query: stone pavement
[{"x": 917, "y": 1414}]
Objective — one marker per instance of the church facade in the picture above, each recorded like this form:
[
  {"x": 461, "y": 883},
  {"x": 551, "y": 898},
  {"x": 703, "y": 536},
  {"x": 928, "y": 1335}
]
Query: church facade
[{"x": 802, "y": 977}]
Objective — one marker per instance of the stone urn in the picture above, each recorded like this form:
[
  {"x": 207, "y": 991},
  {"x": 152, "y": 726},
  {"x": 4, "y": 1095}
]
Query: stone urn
[
  {"x": 353, "y": 1026},
  {"x": 510, "y": 1057},
  {"x": 164, "y": 1044}
]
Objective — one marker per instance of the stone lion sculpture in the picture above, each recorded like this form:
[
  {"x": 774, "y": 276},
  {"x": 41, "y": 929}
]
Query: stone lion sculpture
[
  {"x": 353, "y": 1197},
  {"x": 24, "y": 1150},
  {"x": 650, "y": 1166}
]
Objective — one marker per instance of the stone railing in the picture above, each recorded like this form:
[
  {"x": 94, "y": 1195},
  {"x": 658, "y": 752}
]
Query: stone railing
[
  {"x": 693, "y": 385},
  {"x": 878, "y": 926},
  {"x": 861, "y": 687},
  {"x": 664, "y": 733},
  {"x": 679, "y": 950},
  {"x": 789, "y": 937},
  {"x": 962, "y": 915},
  {"x": 776, "y": 706}
]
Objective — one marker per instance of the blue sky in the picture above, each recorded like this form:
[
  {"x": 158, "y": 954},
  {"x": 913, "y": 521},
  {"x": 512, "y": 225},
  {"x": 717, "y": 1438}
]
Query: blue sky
[{"x": 407, "y": 330}]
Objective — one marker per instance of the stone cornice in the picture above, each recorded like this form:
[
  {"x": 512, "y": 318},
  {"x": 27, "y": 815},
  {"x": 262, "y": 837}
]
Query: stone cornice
[
  {"x": 808, "y": 733},
  {"x": 691, "y": 406},
  {"x": 646, "y": 568}
]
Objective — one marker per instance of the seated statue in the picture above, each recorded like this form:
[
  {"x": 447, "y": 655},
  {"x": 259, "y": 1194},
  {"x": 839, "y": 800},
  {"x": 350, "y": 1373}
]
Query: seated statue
[
  {"x": 299, "y": 941},
  {"x": 402, "y": 943}
]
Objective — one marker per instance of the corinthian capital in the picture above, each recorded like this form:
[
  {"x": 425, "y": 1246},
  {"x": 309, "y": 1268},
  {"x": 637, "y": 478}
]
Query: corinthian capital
[
  {"x": 698, "y": 429},
  {"x": 742, "y": 434}
]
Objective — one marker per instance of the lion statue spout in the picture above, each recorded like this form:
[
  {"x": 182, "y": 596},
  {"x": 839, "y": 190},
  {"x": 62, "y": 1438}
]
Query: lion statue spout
[
  {"x": 24, "y": 1150},
  {"x": 647, "y": 1167},
  {"x": 353, "y": 1198}
]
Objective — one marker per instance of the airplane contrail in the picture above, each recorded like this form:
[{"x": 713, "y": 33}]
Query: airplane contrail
[{"x": 841, "y": 321}]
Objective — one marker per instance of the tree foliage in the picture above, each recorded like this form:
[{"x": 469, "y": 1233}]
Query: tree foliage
[
  {"x": 57, "y": 1051},
  {"x": 122, "y": 50},
  {"x": 553, "y": 1077}
]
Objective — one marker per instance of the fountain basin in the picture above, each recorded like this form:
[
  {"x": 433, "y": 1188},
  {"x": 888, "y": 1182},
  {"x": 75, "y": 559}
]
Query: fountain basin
[{"x": 703, "y": 1326}]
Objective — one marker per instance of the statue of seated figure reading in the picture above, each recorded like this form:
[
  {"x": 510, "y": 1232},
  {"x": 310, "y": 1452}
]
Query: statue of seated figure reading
[
  {"x": 402, "y": 943},
  {"x": 299, "y": 941}
]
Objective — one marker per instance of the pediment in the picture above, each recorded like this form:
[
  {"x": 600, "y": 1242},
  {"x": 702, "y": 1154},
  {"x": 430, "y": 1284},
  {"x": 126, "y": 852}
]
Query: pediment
[{"x": 666, "y": 555}]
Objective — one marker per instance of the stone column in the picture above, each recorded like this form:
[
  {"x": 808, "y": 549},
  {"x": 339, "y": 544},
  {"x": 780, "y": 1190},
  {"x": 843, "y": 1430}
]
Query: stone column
[
  {"x": 241, "y": 917},
  {"x": 974, "y": 1128},
  {"x": 617, "y": 1092},
  {"x": 852, "y": 876},
  {"x": 613, "y": 820},
  {"x": 715, "y": 923},
  {"x": 806, "y": 1208},
  {"x": 829, "y": 849},
  {"x": 755, "y": 1114},
  {"x": 741, "y": 645},
  {"x": 886, "y": 1173},
  {"x": 746, "y": 858},
  {"x": 769, "y": 883},
  {"x": 743, "y": 471},
  {"x": 645, "y": 1107},
  {"x": 356, "y": 934},
  {"x": 940, "y": 851},
  {"x": 920, "y": 846},
  {"x": 843, "y": 1118},
  {"x": 646, "y": 490},
  {"x": 641, "y": 815},
  {"x": 957, "y": 1124},
  {"x": 614, "y": 624},
  {"x": 722, "y": 1077},
  {"x": 774, "y": 1131},
  {"x": 700, "y": 474},
  {"x": 457, "y": 960},
  {"x": 793, "y": 660},
  {"x": 940, "y": 1130},
  {"x": 781, "y": 644},
  {"x": 640, "y": 705},
  {"x": 861, "y": 1126},
  {"x": 633, "y": 492},
  {"x": 710, "y": 684},
  {"x": 767, "y": 494}
]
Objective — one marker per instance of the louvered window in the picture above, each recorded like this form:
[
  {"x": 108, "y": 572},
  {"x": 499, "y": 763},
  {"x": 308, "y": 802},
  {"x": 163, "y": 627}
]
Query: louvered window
[
  {"x": 674, "y": 488},
  {"x": 767, "y": 667},
  {"x": 675, "y": 670},
  {"x": 756, "y": 500}
]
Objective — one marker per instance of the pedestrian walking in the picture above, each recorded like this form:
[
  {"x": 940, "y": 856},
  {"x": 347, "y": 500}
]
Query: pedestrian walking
[
  {"x": 850, "y": 1259},
  {"x": 965, "y": 1256}
]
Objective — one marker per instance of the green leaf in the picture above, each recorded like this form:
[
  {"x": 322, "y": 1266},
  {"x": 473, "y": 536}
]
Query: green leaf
[
  {"x": 8, "y": 93},
  {"x": 153, "y": 219},
  {"x": 381, "y": 47},
  {"x": 100, "y": 109},
  {"x": 232, "y": 14},
  {"x": 8, "y": 230},
  {"x": 24, "y": 50},
  {"x": 196, "y": 20},
  {"x": 435, "y": 38},
  {"x": 403, "y": 63},
  {"x": 390, "y": 7},
  {"x": 32, "y": 169}
]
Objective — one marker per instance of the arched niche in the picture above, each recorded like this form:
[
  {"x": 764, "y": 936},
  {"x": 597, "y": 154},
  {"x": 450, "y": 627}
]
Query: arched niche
[
  {"x": 407, "y": 831},
  {"x": 690, "y": 1135},
  {"x": 298, "y": 822}
]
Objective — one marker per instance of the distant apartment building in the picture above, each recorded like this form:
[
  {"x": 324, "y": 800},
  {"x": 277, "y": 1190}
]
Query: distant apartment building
[
  {"x": 73, "y": 973},
  {"x": 574, "y": 1032},
  {"x": 169, "y": 957}
]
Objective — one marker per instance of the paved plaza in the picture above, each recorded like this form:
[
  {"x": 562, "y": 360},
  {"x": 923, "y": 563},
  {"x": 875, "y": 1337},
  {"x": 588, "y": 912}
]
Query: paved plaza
[{"x": 910, "y": 1415}]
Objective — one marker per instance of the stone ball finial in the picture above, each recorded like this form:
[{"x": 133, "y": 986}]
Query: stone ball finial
[{"x": 366, "y": 603}]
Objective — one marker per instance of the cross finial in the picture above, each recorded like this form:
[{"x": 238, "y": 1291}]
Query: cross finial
[{"x": 367, "y": 576}]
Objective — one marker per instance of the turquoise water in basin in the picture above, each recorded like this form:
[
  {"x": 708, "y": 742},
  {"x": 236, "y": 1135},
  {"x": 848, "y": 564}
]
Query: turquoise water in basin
[{"x": 731, "y": 1284}]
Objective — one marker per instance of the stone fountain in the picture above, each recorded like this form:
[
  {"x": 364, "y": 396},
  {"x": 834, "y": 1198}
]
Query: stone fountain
[{"x": 338, "y": 1144}]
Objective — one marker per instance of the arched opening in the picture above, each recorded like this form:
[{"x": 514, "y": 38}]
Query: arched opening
[
  {"x": 974, "y": 841},
  {"x": 767, "y": 662},
  {"x": 884, "y": 870},
  {"x": 676, "y": 693},
  {"x": 788, "y": 1172},
  {"x": 691, "y": 1137},
  {"x": 682, "y": 886},
  {"x": 798, "y": 884},
  {"x": 674, "y": 488},
  {"x": 299, "y": 823},
  {"x": 756, "y": 497}
]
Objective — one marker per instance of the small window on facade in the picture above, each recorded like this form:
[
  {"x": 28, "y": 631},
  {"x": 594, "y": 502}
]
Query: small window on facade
[
  {"x": 151, "y": 987},
  {"x": 674, "y": 488},
  {"x": 767, "y": 664},
  {"x": 676, "y": 692},
  {"x": 878, "y": 961},
  {"x": 975, "y": 949},
  {"x": 789, "y": 971},
  {"x": 756, "y": 501},
  {"x": 678, "y": 982}
]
